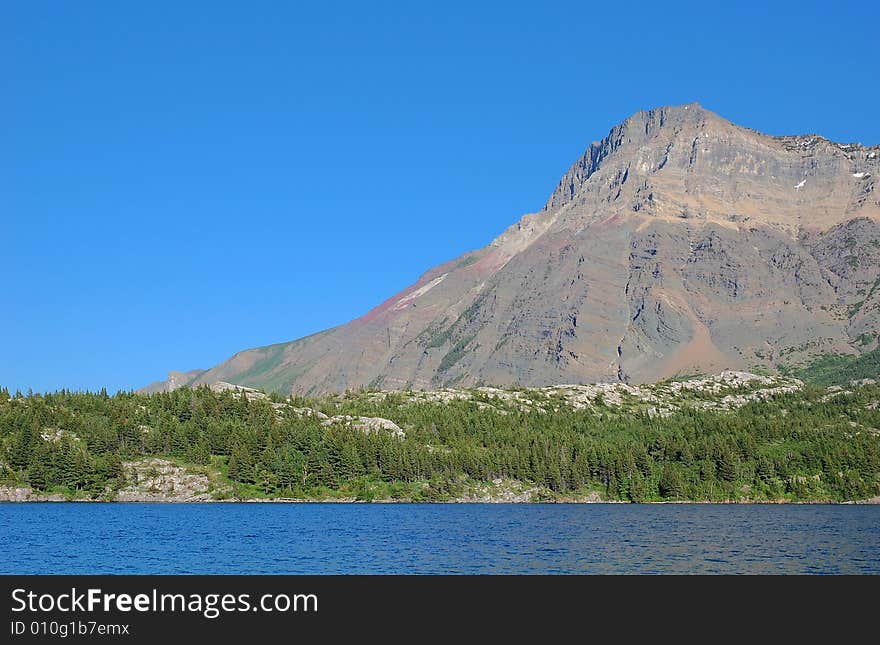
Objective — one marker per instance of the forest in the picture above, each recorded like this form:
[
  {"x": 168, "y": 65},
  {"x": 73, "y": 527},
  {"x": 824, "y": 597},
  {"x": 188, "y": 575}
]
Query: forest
[{"x": 801, "y": 446}]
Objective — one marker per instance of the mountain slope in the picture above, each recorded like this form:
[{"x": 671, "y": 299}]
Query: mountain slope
[{"x": 680, "y": 242}]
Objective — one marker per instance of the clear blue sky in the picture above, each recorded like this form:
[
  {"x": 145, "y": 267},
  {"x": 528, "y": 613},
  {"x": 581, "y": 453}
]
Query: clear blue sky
[{"x": 183, "y": 180}]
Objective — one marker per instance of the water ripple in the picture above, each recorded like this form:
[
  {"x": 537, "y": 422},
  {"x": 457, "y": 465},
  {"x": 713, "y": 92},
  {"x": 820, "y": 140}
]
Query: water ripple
[{"x": 389, "y": 539}]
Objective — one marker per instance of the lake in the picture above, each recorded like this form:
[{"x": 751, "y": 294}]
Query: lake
[{"x": 45, "y": 538}]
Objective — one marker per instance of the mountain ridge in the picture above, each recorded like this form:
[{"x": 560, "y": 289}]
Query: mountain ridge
[{"x": 680, "y": 241}]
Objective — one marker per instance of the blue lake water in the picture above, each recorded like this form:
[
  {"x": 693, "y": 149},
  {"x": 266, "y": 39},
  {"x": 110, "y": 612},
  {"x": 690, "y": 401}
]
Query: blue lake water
[{"x": 469, "y": 538}]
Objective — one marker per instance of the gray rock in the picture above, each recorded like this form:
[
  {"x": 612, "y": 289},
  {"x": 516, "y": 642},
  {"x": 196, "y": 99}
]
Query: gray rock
[
  {"x": 160, "y": 480},
  {"x": 26, "y": 494},
  {"x": 366, "y": 424}
]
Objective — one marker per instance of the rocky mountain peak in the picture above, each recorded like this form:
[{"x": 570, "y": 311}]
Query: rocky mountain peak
[
  {"x": 686, "y": 162},
  {"x": 663, "y": 126},
  {"x": 680, "y": 242}
]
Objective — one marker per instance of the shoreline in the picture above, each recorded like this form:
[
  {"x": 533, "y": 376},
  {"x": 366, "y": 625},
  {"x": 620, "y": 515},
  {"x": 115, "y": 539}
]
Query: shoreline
[
  {"x": 496, "y": 492},
  {"x": 58, "y": 499}
]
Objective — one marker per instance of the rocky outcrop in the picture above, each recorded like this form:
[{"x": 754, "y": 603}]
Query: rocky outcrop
[
  {"x": 238, "y": 390},
  {"x": 159, "y": 480},
  {"x": 511, "y": 491},
  {"x": 302, "y": 413},
  {"x": 680, "y": 243},
  {"x": 147, "y": 480},
  {"x": 721, "y": 392},
  {"x": 27, "y": 494},
  {"x": 501, "y": 491},
  {"x": 366, "y": 424}
]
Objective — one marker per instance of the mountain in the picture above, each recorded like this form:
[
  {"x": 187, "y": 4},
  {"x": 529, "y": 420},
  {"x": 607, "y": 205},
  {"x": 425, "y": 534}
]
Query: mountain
[
  {"x": 678, "y": 243},
  {"x": 174, "y": 381}
]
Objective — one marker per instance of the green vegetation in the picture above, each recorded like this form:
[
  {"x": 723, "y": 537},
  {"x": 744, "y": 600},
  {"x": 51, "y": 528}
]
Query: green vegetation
[
  {"x": 865, "y": 339},
  {"x": 853, "y": 309},
  {"x": 437, "y": 339},
  {"x": 270, "y": 358},
  {"x": 797, "y": 446},
  {"x": 838, "y": 369},
  {"x": 466, "y": 262},
  {"x": 455, "y": 354}
]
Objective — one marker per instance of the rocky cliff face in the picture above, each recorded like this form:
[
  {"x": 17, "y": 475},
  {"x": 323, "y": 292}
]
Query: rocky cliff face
[{"x": 680, "y": 242}]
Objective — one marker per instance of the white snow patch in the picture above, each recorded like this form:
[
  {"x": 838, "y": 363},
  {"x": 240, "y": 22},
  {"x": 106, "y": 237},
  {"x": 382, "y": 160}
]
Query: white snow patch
[
  {"x": 872, "y": 155},
  {"x": 420, "y": 291},
  {"x": 800, "y": 185}
]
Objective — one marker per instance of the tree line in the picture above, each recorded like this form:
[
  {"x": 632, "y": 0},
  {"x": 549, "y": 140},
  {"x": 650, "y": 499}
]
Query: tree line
[{"x": 798, "y": 446}]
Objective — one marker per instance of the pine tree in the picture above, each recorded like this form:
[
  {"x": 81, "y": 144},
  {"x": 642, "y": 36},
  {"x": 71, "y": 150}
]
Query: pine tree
[
  {"x": 671, "y": 483},
  {"x": 38, "y": 476},
  {"x": 728, "y": 465}
]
